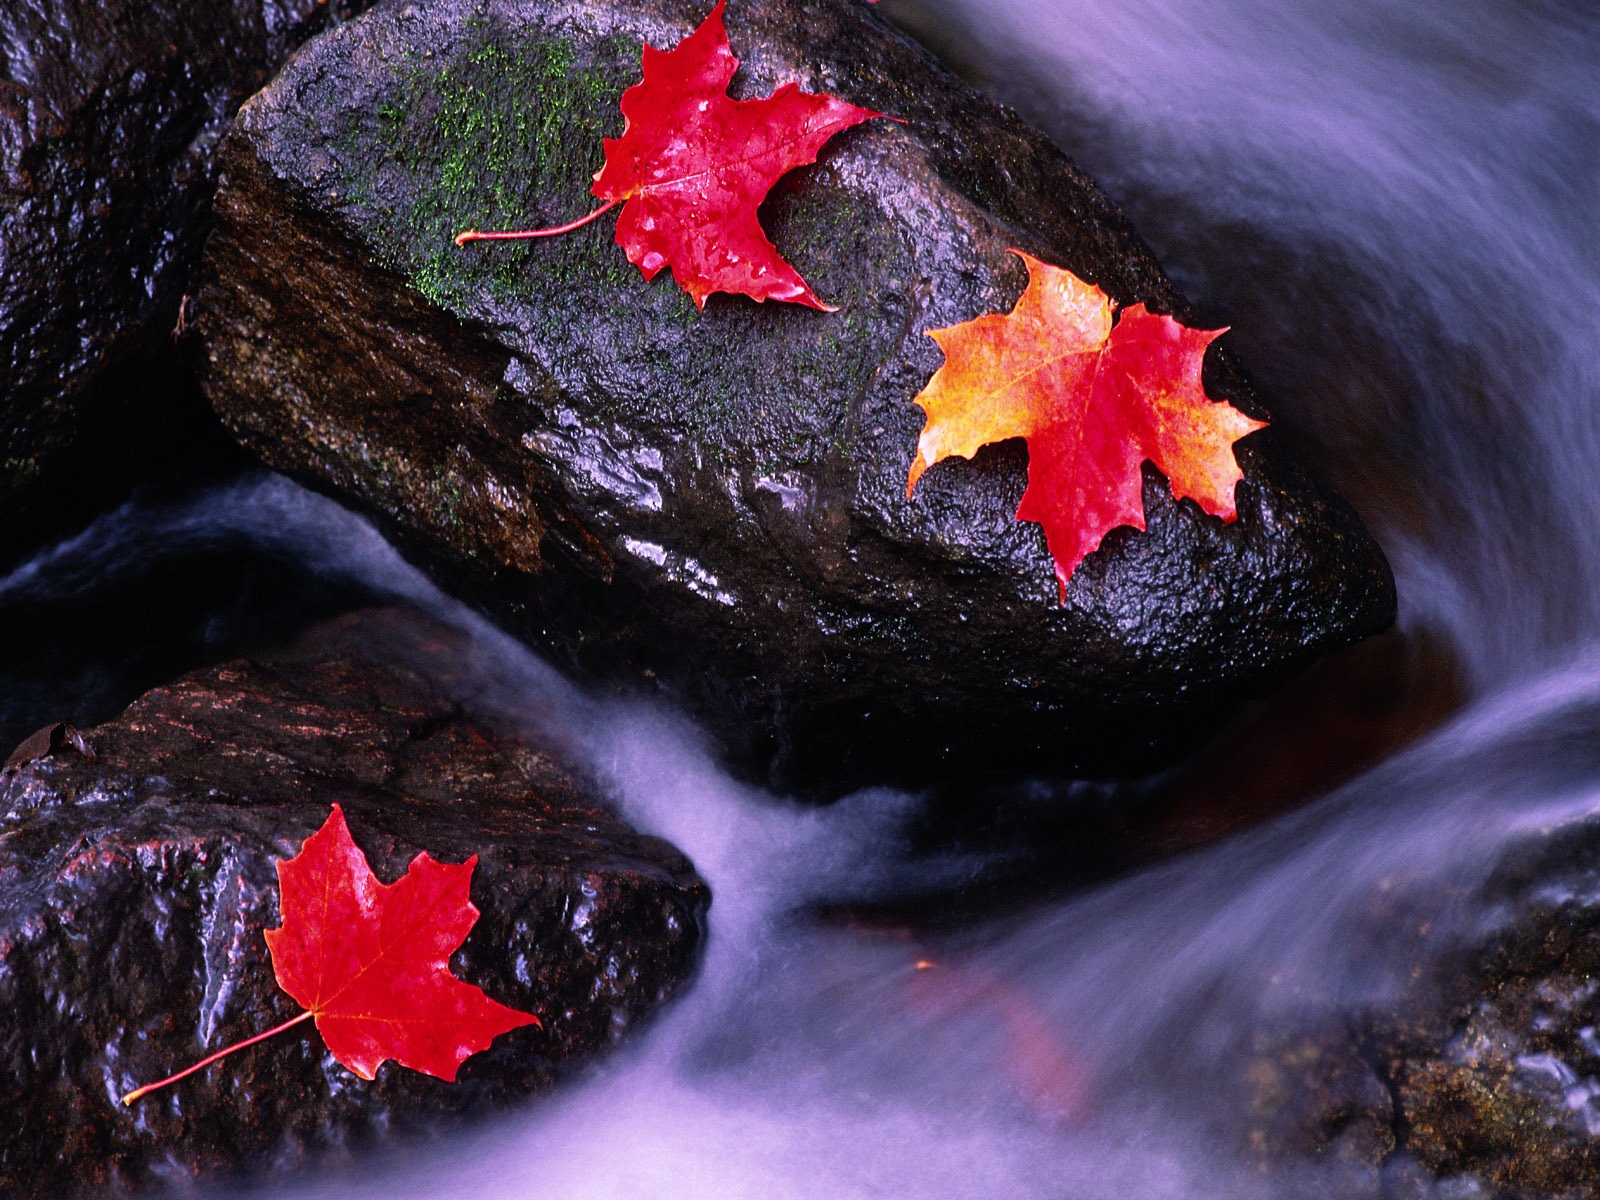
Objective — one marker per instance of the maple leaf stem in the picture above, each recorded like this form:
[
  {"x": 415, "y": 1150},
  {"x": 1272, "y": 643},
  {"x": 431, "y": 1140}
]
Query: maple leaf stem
[
  {"x": 137, "y": 1093},
  {"x": 478, "y": 235}
]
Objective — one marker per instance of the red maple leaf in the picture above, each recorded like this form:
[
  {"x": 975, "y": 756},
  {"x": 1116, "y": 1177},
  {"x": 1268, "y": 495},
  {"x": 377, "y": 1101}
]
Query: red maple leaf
[
  {"x": 1094, "y": 400},
  {"x": 692, "y": 167},
  {"x": 371, "y": 961}
]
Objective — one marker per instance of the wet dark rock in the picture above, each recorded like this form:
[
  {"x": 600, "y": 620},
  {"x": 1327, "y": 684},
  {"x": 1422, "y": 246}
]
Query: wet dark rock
[
  {"x": 1481, "y": 1077},
  {"x": 134, "y": 888},
  {"x": 156, "y": 589},
  {"x": 110, "y": 116},
  {"x": 717, "y": 501}
]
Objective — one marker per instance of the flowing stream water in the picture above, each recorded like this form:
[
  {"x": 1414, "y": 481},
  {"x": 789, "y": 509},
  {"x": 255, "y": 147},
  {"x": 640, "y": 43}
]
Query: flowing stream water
[{"x": 1396, "y": 205}]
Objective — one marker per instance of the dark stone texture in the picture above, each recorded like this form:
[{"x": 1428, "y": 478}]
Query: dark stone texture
[
  {"x": 110, "y": 116},
  {"x": 1482, "y": 1075},
  {"x": 717, "y": 501},
  {"x": 134, "y": 888},
  {"x": 154, "y": 590},
  {"x": 1499, "y": 1082}
]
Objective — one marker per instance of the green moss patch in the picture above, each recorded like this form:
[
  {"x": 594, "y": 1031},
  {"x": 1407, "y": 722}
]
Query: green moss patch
[
  {"x": 500, "y": 138},
  {"x": 504, "y": 130}
]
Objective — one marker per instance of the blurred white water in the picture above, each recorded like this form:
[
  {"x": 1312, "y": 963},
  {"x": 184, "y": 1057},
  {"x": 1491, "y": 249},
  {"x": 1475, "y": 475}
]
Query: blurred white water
[
  {"x": 1067, "y": 1050},
  {"x": 1084, "y": 1048},
  {"x": 1396, "y": 205}
]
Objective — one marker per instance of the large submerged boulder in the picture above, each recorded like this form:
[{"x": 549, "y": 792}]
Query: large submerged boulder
[
  {"x": 717, "y": 501},
  {"x": 110, "y": 116},
  {"x": 137, "y": 875}
]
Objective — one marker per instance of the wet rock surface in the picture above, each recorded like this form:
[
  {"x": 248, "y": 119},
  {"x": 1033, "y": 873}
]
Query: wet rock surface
[
  {"x": 1481, "y": 1077},
  {"x": 110, "y": 117},
  {"x": 717, "y": 501},
  {"x": 155, "y": 590},
  {"x": 135, "y": 885}
]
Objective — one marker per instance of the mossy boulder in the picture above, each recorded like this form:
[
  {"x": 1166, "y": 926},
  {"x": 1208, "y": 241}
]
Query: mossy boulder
[{"x": 716, "y": 501}]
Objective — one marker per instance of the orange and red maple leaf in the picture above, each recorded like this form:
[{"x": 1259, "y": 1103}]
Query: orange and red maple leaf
[
  {"x": 693, "y": 165},
  {"x": 1094, "y": 398}
]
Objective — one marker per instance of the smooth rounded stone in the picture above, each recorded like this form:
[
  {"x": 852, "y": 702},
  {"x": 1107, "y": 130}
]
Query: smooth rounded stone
[
  {"x": 110, "y": 116},
  {"x": 716, "y": 501},
  {"x": 135, "y": 886}
]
